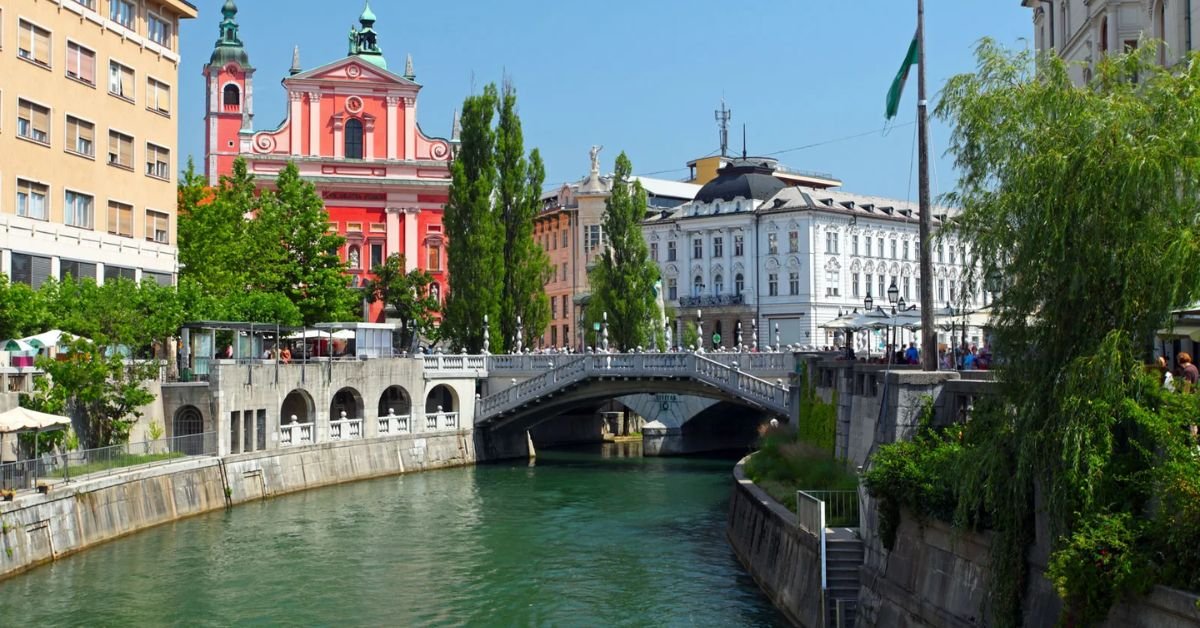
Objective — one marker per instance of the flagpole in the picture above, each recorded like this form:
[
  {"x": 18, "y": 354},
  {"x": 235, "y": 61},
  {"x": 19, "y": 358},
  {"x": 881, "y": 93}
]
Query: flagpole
[{"x": 928, "y": 333}]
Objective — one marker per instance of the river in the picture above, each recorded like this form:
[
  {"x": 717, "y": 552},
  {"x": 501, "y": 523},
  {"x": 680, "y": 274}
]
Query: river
[{"x": 595, "y": 537}]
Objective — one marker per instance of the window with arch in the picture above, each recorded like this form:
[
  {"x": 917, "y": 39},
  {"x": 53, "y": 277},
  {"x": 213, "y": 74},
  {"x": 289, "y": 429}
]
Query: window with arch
[
  {"x": 697, "y": 286},
  {"x": 232, "y": 97},
  {"x": 354, "y": 139},
  {"x": 718, "y": 285},
  {"x": 739, "y": 284}
]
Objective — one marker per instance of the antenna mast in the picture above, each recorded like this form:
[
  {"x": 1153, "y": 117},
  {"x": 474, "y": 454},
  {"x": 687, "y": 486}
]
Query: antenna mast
[{"x": 723, "y": 116}]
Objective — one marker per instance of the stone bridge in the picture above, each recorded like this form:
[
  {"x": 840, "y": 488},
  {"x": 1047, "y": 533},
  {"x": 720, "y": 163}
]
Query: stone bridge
[
  {"x": 573, "y": 379},
  {"x": 254, "y": 405}
]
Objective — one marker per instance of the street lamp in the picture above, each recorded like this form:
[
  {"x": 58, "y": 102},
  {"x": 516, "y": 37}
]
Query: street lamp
[
  {"x": 893, "y": 293},
  {"x": 868, "y": 303},
  {"x": 994, "y": 282}
]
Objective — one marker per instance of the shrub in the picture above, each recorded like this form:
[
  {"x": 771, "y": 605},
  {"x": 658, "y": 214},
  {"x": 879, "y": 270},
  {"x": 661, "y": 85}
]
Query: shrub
[
  {"x": 918, "y": 475},
  {"x": 1096, "y": 566}
]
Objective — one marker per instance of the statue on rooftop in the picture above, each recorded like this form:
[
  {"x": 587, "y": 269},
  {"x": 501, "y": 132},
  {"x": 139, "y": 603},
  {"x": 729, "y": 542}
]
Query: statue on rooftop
[{"x": 353, "y": 40}]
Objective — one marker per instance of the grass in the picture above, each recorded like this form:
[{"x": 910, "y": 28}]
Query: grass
[
  {"x": 116, "y": 462},
  {"x": 784, "y": 465}
]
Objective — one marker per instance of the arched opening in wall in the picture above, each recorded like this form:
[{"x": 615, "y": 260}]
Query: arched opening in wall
[
  {"x": 395, "y": 400},
  {"x": 697, "y": 286},
  {"x": 718, "y": 285},
  {"x": 347, "y": 404},
  {"x": 739, "y": 284},
  {"x": 232, "y": 98},
  {"x": 440, "y": 399},
  {"x": 1104, "y": 35},
  {"x": 1160, "y": 30},
  {"x": 298, "y": 408},
  {"x": 354, "y": 139},
  {"x": 187, "y": 428}
]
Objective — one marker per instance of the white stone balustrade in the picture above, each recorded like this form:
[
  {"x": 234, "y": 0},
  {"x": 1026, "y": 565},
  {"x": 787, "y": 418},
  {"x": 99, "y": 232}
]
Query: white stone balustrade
[
  {"x": 450, "y": 420},
  {"x": 296, "y": 434},
  {"x": 393, "y": 423}
]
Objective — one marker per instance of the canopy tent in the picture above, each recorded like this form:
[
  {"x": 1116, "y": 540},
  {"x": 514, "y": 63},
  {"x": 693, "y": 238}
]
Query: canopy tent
[
  {"x": 26, "y": 420},
  {"x": 345, "y": 334},
  {"x": 52, "y": 338},
  {"x": 15, "y": 345}
]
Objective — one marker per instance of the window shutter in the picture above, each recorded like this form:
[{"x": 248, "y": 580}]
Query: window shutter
[
  {"x": 74, "y": 64},
  {"x": 126, "y": 156},
  {"x": 87, "y": 67},
  {"x": 41, "y": 45},
  {"x": 41, "y": 119},
  {"x": 73, "y": 129},
  {"x": 39, "y": 271}
]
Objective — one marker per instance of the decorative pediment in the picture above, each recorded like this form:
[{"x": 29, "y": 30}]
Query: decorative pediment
[
  {"x": 833, "y": 264},
  {"x": 894, "y": 269},
  {"x": 907, "y": 271},
  {"x": 855, "y": 266},
  {"x": 793, "y": 262},
  {"x": 672, "y": 270},
  {"x": 772, "y": 263},
  {"x": 771, "y": 226},
  {"x": 717, "y": 268},
  {"x": 352, "y": 70},
  {"x": 870, "y": 267}
]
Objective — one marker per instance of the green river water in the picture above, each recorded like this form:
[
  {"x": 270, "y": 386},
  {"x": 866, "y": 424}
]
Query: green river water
[{"x": 597, "y": 537}]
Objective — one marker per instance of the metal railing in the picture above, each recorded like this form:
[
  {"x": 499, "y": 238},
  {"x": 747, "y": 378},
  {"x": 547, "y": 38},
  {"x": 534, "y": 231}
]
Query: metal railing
[
  {"x": 105, "y": 460},
  {"x": 841, "y": 507},
  {"x": 810, "y": 516}
]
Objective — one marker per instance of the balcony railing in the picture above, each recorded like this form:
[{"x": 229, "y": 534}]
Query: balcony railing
[{"x": 725, "y": 299}]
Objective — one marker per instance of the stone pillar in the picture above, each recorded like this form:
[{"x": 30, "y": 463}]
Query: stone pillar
[
  {"x": 235, "y": 446},
  {"x": 410, "y": 128},
  {"x": 412, "y": 246},
  {"x": 6, "y": 264},
  {"x": 727, "y": 238},
  {"x": 253, "y": 431},
  {"x": 369, "y": 140},
  {"x": 314, "y": 124},
  {"x": 393, "y": 121},
  {"x": 296, "y": 115},
  {"x": 56, "y": 266},
  {"x": 706, "y": 237},
  {"x": 393, "y": 231}
]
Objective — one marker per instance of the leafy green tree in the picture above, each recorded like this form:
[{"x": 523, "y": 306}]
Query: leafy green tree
[
  {"x": 623, "y": 279},
  {"x": 1085, "y": 200},
  {"x": 23, "y": 310},
  {"x": 102, "y": 392},
  {"x": 474, "y": 248},
  {"x": 293, "y": 225},
  {"x": 526, "y": 265},
  {"x": 406, "y": 294},
  {"x": 215, "y": 248}
]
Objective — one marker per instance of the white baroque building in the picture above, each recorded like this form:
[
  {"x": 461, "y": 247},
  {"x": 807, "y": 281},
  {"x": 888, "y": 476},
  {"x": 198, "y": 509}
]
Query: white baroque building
[
  {"x": 1084, "y": 30},
  {"x": 751, "y": 252}
]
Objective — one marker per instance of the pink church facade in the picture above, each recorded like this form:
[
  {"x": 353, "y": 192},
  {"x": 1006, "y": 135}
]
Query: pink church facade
[{"x": 351, "y": 129}]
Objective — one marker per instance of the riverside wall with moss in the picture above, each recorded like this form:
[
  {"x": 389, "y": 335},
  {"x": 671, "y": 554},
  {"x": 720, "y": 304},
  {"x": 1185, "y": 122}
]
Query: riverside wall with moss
[
  {"x": 783, "y": 559},
  {"x": 37, "y": 529}
]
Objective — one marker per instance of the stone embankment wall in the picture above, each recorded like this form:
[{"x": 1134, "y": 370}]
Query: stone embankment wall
[
  {"x": 40, "y": 528},
  {"x": 937, "y": 576},
  {"x": 783, "y": 559}
]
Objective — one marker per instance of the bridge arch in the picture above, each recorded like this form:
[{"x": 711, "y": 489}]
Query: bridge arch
[
  {"x": 395, "y": 400},
  {"x": 346, "y": 400},
  {"x": 441, "y": 398},
  {"x": 298, "y": 407}
]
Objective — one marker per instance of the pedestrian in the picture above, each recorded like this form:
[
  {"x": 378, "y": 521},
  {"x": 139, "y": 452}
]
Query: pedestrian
[
  {"x": 912, "y": 355},
  {"x": 285, "y": 356},
  {"x": 1190, "y": 373},
  {"x": 1168, "y": 380}
]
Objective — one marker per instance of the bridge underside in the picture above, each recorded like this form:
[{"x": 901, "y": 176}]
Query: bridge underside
[{"x": 593, "y": 391}]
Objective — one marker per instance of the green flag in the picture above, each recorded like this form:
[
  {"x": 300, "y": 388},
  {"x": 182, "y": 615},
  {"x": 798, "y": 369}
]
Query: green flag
[{"x": 893, "y": 97}]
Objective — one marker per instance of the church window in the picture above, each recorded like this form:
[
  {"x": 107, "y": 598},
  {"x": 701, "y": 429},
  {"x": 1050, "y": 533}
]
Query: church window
[
  {"x": 232, "y": 98},
  {"x": 354, "y": 139}
]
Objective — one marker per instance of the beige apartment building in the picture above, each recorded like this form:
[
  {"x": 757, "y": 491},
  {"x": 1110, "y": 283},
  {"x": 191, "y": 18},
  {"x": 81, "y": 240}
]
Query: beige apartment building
[{"x": 89, "y": 138}]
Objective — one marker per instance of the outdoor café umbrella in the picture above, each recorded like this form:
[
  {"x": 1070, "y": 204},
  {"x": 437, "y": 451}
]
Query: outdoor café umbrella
[
  {"x": 20, "y": 420},
  {"x": 16, "y": 345}
]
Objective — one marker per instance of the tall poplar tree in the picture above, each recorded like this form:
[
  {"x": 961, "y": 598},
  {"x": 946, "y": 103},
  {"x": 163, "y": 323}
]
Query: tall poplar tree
[
  {"x": 473, "y": 250},
  {"x": 623, "y": 279},
  {"x": 526, "y": 265}
]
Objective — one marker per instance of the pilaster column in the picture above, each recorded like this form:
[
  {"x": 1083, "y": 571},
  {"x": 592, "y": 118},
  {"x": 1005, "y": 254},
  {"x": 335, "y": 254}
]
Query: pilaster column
[
  {"x": 412, "y": 246},
  {"x": 235, "y": 446},
  {"x": 730, "y": 274},
  {"x": 706, "y": 237},
  {"x": 254, "y": 429},
  {"x": 339, "y": 130},
  {"x": 369, "y": 140},
  {"x": 296, "y": 115},
  {"x": 393, "y": 120},
  {"x": 314, "y": 124},
  {"x": 410, "y": 127},
  {"x": 393, "y": 231}
]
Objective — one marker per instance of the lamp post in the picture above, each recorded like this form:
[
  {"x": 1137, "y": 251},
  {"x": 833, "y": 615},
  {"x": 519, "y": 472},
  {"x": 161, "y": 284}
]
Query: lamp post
[
  {"x": 605, "y": 332},
  {"x": 699, "y": 332},
  {"x": 754, "y": 332},
  {"x": 487, "y": 335},
  {"x": 520, "y": 339},
  {"x": 868, "y": 306}
]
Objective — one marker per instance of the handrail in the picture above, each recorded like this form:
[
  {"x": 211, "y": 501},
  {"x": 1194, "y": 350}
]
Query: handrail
[{"x": 725, "y": 377}]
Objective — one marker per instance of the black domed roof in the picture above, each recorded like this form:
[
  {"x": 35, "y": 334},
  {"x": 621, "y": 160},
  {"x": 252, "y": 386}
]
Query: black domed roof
[{"x": 742, "y": 178}]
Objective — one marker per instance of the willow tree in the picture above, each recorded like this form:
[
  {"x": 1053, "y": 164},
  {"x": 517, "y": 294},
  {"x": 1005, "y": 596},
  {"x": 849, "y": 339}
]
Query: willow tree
[
  {"x": 1084, "y": 199},
  {"x": 623, "y": 278}
]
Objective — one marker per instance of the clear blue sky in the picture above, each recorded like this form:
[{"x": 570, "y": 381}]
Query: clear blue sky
[{"x": 641, "y": 76}]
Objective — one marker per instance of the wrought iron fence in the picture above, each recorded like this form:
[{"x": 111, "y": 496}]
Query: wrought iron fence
[{"x": 104, "y": 460}]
